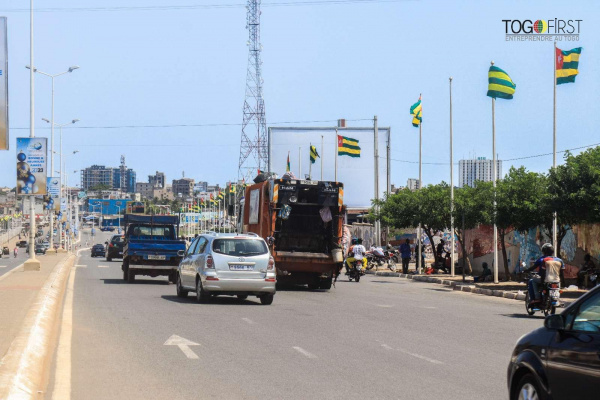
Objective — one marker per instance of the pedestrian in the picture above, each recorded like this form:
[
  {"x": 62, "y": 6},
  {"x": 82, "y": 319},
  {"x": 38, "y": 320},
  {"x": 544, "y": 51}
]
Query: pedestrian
[
  {"x": 405, "y": 253},
  {"x": 587, "y": 268},
  {"x": 422, "y": 255},
  {"x": 15, "y": 251}
]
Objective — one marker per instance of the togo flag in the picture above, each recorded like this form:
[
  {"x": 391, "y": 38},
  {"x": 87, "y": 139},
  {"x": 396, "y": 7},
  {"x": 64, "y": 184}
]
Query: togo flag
[
  {"x": 567, "y": 65},
  {"x": 313, "y": 154},
  {"x": 348, "y": 147},
  {"x": 500, "y": 84},
  {"x": 415, "y": 111}
]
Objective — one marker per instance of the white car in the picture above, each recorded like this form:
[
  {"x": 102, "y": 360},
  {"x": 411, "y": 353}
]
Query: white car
[{"x": 227, "y": 264}]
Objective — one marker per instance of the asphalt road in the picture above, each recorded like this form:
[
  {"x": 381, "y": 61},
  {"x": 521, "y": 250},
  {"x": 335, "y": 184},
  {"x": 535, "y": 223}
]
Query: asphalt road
[{"x": 382, "y": 338}]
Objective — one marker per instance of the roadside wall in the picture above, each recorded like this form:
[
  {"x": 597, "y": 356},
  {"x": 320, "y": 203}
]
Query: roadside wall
[{"x": 579, "y": 241}]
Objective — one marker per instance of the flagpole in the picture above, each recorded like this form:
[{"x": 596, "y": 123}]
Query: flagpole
[
  {"x": 555, "y": 216},
  {"x": 299, "y": 162},
  {"x": 451, "y": 190},
  {"x": 420, "y": 249},
  {"x": 376, "y": 168},
  {"x": 322, "y": 154},
  {"x": 336, "y": 155},
  {"x": 494, "y": 176}
]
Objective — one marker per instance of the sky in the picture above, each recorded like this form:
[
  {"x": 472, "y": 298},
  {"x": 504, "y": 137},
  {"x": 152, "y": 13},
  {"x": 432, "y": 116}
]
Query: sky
[{"x": 171, "y": 67}]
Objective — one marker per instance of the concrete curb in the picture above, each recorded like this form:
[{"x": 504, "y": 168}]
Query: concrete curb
[
  {"x": 459, "y": 286},
  {"x": 22, "y": 368}
]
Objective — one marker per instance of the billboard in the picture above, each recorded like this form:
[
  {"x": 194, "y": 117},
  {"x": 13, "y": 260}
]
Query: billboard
[
  {"x": 31, "y": 166},
  {"x": 3, "y": 85},
  {"x": 356, "y": 173}
]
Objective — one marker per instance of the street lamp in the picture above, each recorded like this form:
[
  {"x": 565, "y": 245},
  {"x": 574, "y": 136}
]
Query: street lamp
[
  {"x": 60, "y": 126},
  {"x": 35, "y": 70}
]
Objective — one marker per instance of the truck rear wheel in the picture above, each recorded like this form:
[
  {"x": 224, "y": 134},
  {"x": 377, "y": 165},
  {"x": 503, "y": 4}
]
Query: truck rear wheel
[
  {"x": 130, "y": 276},
  {"x": 326, "y": 283}
]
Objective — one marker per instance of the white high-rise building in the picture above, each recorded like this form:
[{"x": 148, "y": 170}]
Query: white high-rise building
[
  {"x": 412, "y": 184},
  {"x": 480, "y": 169}
]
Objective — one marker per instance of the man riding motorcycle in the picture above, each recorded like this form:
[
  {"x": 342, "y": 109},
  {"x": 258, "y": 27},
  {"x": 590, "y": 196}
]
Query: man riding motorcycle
[
  {"x": 356, "y": 252},
  {"x": 549, "y": 268}
]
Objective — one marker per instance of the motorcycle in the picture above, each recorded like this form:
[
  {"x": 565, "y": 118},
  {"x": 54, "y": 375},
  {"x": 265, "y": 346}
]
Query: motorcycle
[
  {"x": 550, "y": 298},
  {"x": 378, "y": 258},
  {"x": 355, "y": 271}
]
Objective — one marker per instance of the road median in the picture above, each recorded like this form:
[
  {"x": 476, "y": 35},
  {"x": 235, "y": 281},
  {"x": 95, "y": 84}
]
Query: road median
[{"x": 32, "y": 299}]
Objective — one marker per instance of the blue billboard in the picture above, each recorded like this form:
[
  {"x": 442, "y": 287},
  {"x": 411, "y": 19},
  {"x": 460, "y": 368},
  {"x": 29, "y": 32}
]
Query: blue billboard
[{"x": 107, "y": 206}]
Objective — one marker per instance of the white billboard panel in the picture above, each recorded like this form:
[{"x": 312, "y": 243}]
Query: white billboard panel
[{"x": 3, "y": 85}]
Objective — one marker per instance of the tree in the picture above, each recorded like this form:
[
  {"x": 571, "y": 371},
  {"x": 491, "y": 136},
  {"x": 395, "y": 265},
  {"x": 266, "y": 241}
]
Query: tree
[
  {"x": 472, "y": 206},
  {"x": 429, "y": 206},
  {"x": 520, "y": 199},
  {"x": 100, "y": 187},
  {"x": 574, "y": 192}
]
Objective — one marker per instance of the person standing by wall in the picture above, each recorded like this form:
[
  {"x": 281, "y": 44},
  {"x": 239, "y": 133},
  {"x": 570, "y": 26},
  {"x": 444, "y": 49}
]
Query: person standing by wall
[{"x": 405, "y": 253}]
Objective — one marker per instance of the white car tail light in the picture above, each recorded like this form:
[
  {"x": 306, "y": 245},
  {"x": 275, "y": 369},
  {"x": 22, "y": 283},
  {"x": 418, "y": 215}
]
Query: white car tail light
[{"x": 271, "y": 265}]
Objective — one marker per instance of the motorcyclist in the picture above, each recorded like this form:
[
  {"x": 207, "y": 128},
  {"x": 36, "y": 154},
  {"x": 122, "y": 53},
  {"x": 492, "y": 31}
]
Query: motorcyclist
[
  {"x": 549, "y": 268},
  {"x": 357, "y": 252}
]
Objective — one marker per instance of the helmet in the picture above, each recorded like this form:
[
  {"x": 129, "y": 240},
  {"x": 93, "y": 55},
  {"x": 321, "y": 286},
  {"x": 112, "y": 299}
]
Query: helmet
[
  {"x": 354, "y": 240},
  {"x": 547, "y": 249}
]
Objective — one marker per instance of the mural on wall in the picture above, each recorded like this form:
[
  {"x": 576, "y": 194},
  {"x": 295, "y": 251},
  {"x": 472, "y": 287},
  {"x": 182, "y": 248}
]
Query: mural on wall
[{"x": 527, "y": 246}]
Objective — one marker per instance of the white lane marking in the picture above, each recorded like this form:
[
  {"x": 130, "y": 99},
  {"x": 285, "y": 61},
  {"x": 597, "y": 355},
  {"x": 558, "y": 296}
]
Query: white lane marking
[
  {"x": 3, "y": 266},
  {"x": 102, "y": 266},
  {"x": 431, "y": 360},
  {"x": 183, "y": 345},
  {"x": 430, "y": 308},
  {"x": 384, "y": 305},
  {"x": 304, "y": 352},
  {"x": 81, "y": 266},
  {"x": 248, "y": 320},
  {"x": 62, "y": 377}
]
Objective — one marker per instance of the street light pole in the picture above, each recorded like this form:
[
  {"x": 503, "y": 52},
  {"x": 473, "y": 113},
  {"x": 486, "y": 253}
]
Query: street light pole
[
  {"x": 32, "y": 264},
  {"x": 34, "y": 70}
]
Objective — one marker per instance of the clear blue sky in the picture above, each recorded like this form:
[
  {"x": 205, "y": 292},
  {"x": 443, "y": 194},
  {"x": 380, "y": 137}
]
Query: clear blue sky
[{"x": 173, "y": 67}]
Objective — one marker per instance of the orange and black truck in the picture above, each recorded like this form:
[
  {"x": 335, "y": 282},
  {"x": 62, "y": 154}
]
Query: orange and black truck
[{"x": 302, "y": 221}]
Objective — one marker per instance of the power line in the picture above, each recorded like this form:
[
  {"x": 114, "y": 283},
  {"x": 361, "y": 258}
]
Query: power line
[
  {"x": 508, "y": 159},
  {"x": 209, "y": 125},
  {"x": 201, "y": 6}
]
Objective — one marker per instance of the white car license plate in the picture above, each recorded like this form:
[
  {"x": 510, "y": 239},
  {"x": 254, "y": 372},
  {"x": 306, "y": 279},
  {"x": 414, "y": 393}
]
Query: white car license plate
[
  {"x": 151, "y": 257},
  {"x": 239, "y": 267}
]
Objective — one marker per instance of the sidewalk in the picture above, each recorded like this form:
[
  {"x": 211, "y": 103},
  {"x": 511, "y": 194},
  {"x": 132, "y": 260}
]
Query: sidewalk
[
  {"x": 18, "y": 292},
  {"x": 509, "y": 290}
]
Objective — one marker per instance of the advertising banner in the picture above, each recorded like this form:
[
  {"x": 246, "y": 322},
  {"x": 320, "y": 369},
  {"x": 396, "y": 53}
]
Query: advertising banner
[
  {"x": 31, "y": 166},
  {"x": 53, "y": 189},
  {"x": 3, "y": 85}
]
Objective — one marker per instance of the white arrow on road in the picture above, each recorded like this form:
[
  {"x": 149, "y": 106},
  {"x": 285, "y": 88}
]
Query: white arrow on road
[{"x": 183, "y": 344}]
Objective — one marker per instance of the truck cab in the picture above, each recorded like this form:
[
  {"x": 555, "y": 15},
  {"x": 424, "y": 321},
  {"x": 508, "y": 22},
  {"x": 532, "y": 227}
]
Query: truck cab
[{"x": 151, "y": 246}]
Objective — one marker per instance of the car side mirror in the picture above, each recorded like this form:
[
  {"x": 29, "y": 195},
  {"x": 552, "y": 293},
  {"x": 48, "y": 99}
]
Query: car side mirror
[
  {"x": 555, "y": 322},
  {"x": 180, "y": 253}
]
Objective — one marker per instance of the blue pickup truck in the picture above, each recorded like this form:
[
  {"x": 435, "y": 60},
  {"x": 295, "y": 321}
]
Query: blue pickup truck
[{"x": 151, "y": 246}]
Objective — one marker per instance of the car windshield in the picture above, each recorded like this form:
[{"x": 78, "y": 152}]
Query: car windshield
[
  {"x": 151, "y": 232},
  {"x": 240, "y": 247}
]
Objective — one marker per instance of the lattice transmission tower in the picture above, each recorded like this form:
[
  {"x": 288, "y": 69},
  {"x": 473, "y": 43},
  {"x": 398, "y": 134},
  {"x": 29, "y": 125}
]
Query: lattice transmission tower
[{"x": 253, "y": 147}]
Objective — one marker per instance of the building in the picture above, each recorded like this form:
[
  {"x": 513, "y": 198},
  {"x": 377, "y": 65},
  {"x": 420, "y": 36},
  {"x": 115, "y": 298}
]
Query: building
[
  {"x": 157, "y": 180},
  {"x": 185, "y": 186},
  {"x": 479, "y": 169},
  {"x": 95, "y": 176},
  {"x": 130, "y": 180},
  {"x": 200, "y": 187},
  {"x": 413, "y": 184},
  {"x": 145, "y": 189}
]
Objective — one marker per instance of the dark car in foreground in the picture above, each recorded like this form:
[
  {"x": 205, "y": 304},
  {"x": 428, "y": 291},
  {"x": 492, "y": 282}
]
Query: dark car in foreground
[
  {"x": 114, "y": 247},
  {"x": 98, "y": 250},
  {"x": 561, "y": 360}
]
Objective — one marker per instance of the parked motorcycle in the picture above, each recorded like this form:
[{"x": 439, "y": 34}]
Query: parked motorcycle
[
  {"x": 356, "y": 271},
  {"x": 550, "y": 298},
  {"x": 376, "y": 258}
]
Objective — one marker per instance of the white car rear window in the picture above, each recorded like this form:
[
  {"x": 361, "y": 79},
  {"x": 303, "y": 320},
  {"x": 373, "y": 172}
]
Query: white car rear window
[{"x": 240, "y": 247}]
